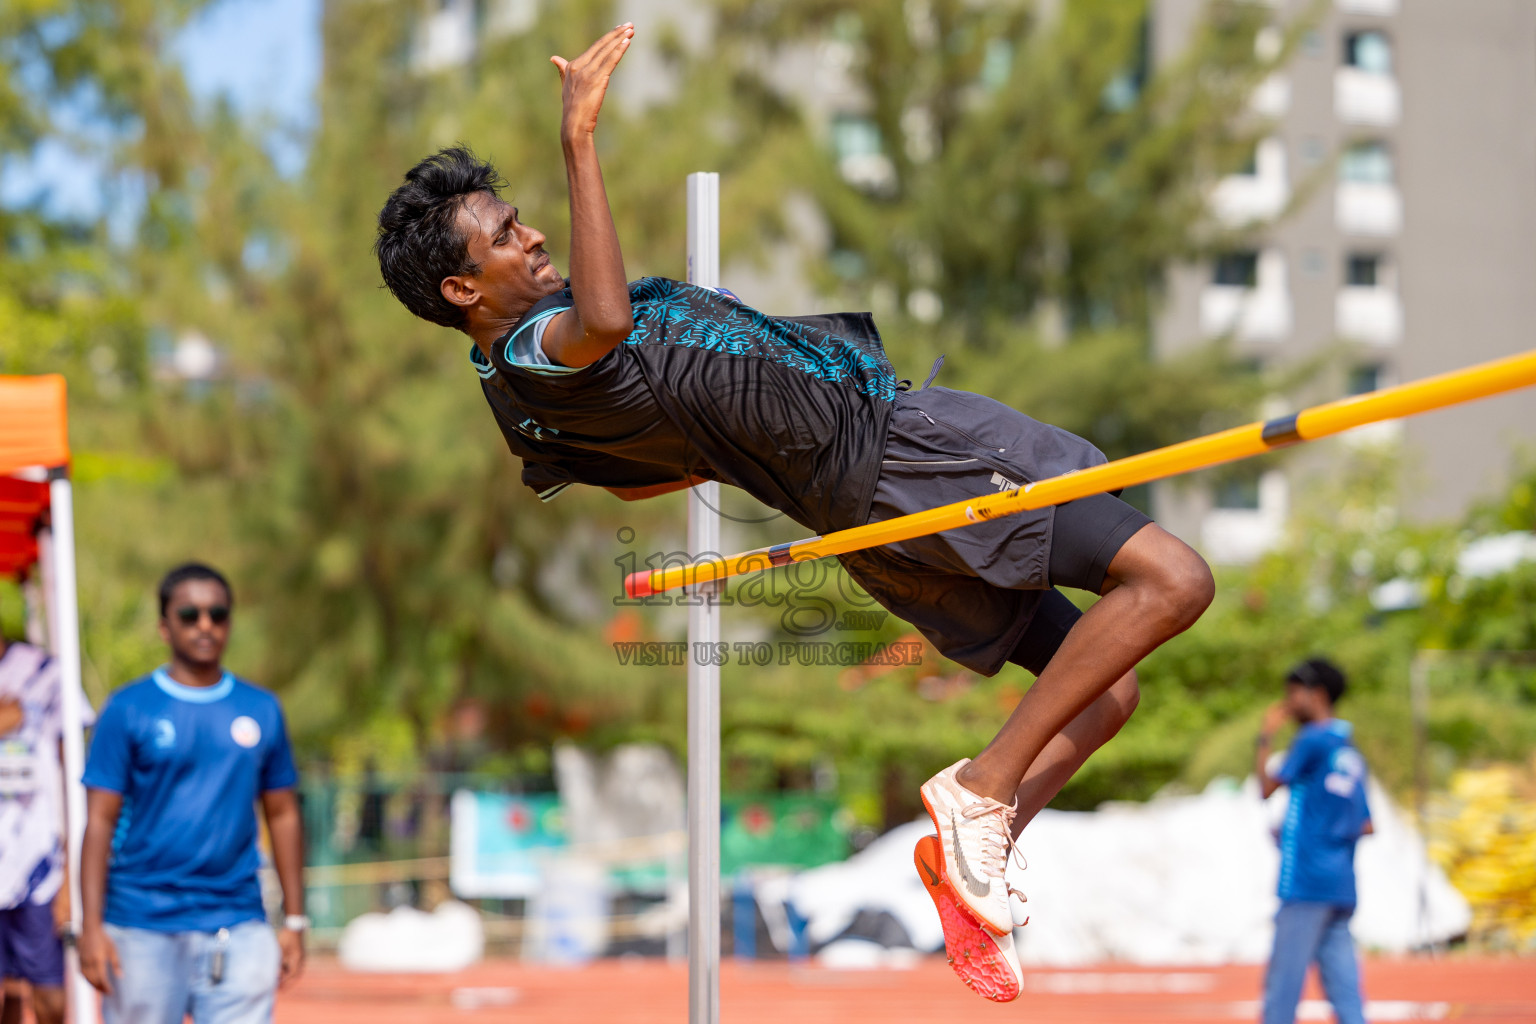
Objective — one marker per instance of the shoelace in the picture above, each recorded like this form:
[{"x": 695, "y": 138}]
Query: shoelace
[
  {"x": 999, "y": 845},
  {"x": 1023, "y": 863},
  {"x": 997, "y": 842}
]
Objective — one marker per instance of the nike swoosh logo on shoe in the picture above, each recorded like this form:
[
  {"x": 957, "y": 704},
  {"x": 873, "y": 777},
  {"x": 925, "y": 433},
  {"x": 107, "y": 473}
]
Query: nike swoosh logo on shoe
[
  {"x": 975, "y": 886},
  {"x": 933, "y": 879}
]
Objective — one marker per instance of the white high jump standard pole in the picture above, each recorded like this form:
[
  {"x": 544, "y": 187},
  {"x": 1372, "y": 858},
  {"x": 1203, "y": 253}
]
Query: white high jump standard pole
[
  {"x": 64, "y": 623},
  {"x": 703, "y": 673}
]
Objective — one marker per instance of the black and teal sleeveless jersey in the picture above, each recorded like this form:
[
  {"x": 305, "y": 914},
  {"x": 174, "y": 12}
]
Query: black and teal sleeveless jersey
[{"x": 791, "y": 410}]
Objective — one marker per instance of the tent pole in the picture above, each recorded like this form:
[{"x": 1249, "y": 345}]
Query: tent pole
[
  {"x": 36, "y": 617},
  {"x": 64, "y": 622}
]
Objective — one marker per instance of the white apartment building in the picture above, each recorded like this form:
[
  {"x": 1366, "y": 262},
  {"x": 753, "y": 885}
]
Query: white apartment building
[{"x": 1410, "y": 124}]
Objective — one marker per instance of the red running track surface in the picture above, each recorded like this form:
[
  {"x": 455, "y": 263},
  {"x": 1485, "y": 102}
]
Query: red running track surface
[{"x": 1492, "y": 991}]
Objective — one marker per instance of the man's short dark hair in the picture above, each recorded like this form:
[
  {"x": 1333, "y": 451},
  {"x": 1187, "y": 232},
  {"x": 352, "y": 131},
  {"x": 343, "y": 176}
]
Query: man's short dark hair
[
  {"x": 419, "y": 241},
  {"x": 1319, "y": 674},
  {"x": 191, "y": 571}
]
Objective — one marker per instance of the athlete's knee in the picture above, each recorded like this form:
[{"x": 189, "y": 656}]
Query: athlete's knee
[
  {"x": 1173, "y": 581},
  {"x": 1188, "y": 586}
]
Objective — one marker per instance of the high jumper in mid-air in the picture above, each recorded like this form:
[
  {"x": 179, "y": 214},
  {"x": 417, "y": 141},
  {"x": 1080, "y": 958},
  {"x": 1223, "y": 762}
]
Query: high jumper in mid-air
[{"x": 651, "y": 386}]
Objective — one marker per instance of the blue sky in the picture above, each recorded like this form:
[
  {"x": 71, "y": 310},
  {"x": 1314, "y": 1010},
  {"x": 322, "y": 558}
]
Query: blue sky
[{"x": 263, "y": 55}]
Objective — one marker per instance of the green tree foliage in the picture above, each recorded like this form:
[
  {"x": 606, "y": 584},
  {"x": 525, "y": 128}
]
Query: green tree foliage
[{"x": 1040, "y": 176}]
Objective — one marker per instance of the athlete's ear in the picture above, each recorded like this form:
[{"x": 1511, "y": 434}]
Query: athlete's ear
[{"x": 461, "y": 291}]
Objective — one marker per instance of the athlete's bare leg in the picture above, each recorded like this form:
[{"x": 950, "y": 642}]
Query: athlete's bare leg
[
  {"x": 1156, "y": 588},
  {"x": 1065, "y": 753}
]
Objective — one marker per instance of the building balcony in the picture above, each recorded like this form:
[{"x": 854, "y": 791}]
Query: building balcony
[
  {"x": 1386, "y": 434},
  {"x": 1368, "y": 208},
  {"x": 1366, "y": 98},
  {"x": 1273, "y": 97},
  {"x": 1238, "y": 536},
  {"x": 446, "y": 37},
  {"x": 1261, "y": 312},
  {"x": 1249, "y": 313},
  {"x": 1370, "y": 315},
  {"x": 1241, "y": 199},
  {"x": 1380, "y": 8}
]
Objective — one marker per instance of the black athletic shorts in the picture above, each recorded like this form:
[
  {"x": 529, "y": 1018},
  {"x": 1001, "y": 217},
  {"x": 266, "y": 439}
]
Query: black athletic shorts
[{"x": 983, "y": 594}]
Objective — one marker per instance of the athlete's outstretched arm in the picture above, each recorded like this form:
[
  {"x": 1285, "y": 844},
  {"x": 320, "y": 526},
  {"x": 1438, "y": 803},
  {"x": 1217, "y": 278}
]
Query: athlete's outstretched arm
[{"x": 602, "y": 317}]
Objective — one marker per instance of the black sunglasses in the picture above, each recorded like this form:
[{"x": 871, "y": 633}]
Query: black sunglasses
[{"x": 189, "y": 615}]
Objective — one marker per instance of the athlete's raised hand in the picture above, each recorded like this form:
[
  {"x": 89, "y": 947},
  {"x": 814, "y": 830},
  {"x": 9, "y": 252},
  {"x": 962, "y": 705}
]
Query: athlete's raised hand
[{"x": 584, "y": 81}]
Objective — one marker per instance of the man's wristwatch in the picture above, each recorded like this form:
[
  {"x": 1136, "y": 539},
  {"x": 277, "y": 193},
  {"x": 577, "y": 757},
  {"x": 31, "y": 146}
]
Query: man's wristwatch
[{"x": 296, "y": 923}]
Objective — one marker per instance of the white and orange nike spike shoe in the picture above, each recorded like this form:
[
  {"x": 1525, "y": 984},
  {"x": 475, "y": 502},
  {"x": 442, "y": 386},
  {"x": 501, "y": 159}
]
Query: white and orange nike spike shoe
[
  {"x": 976, "y": 838},
  {"x": 985, "y": 962}
]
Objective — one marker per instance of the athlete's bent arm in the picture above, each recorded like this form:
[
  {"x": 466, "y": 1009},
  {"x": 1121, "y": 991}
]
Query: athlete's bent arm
[
  {"x": 602, "y": 317},
  {"x": 1274, "y": 718}
]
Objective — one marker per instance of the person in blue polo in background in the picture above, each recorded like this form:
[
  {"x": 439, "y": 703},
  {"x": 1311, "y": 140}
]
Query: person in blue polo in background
[
  {"x": 1327, "y": 815},
  {"x": 173, "y": 918}
]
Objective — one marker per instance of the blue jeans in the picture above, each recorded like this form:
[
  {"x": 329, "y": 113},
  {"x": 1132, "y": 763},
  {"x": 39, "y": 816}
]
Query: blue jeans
[
  {"x": 167, "y": 975},
  {"x": 1305, "y": 932}
]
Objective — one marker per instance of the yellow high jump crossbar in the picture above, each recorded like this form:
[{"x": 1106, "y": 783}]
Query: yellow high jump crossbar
[{"x": 1453, "y": 388}]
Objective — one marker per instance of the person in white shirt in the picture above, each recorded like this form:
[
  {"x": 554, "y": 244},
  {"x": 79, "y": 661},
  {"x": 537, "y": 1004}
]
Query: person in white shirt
[{"x": 34, "y": 902}]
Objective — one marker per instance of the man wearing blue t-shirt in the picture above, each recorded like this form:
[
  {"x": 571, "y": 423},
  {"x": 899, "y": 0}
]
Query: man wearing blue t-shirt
[
  {"x": 1327, "y": 815},
  {"x": 173, "y": 918}
]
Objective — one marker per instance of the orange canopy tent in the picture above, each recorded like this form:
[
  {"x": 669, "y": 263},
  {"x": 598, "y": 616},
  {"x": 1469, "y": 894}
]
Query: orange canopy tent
[
  {"x": 37, "y": 527},
  {"x": 34, "y": 442}
]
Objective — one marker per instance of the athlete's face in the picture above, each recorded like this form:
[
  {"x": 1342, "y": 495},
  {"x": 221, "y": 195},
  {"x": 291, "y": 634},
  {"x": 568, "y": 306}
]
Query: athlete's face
[
  {"x": 1307, "y": 703},
  {"x": 515, "y": 271},
  {"x": 196, "y": 622}
]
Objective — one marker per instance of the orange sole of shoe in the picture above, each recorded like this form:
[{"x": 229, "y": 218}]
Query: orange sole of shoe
[{"x": 972, "y": 950}]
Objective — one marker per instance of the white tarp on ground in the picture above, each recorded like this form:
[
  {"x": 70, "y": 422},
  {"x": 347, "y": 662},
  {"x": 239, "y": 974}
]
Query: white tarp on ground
[
  {"x": 450, "y": 938},
  {"x": 1179, "y": 880}
]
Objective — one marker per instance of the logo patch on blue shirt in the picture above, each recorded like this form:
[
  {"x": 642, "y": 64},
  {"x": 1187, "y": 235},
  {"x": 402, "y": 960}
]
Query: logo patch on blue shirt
[
  {"x": 165, "y": 734},
  {"x": 245, "y": 731}
]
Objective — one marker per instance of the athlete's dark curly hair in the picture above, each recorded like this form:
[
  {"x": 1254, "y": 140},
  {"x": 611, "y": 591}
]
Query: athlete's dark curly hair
[
  {"x": 419, "y": 242},
  {"x": 1319, "y": 674}
]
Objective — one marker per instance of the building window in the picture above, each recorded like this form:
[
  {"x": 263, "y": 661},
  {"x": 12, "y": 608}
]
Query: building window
[
  {"x": 1362, "y": 270},
  {"x": 855, "y": 137},
  {"x": 1249, "y": 168},
  {"x": 861, "y": 154},
  {"x": 1368, "y": 163},
  {"x": 1236, "y": 269},
  {"x": 1238, "y": 489},
  {"x": 1369, "y": 51},
  {"x": 1364, "y": 379}
]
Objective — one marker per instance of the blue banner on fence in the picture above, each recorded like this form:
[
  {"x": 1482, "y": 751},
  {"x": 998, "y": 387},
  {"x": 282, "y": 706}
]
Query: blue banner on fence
[{"x": 497, "y": 841}]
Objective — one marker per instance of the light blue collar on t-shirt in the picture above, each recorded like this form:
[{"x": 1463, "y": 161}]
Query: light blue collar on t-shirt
[{"x": 194, "y": 694}]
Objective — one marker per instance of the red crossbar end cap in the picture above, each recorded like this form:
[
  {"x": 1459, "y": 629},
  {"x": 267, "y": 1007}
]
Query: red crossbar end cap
[{"x": 638, "y": 585}]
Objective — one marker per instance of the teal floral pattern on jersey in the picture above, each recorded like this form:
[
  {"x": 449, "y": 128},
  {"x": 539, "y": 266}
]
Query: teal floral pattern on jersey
[{"x": 670, "y": 312}]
